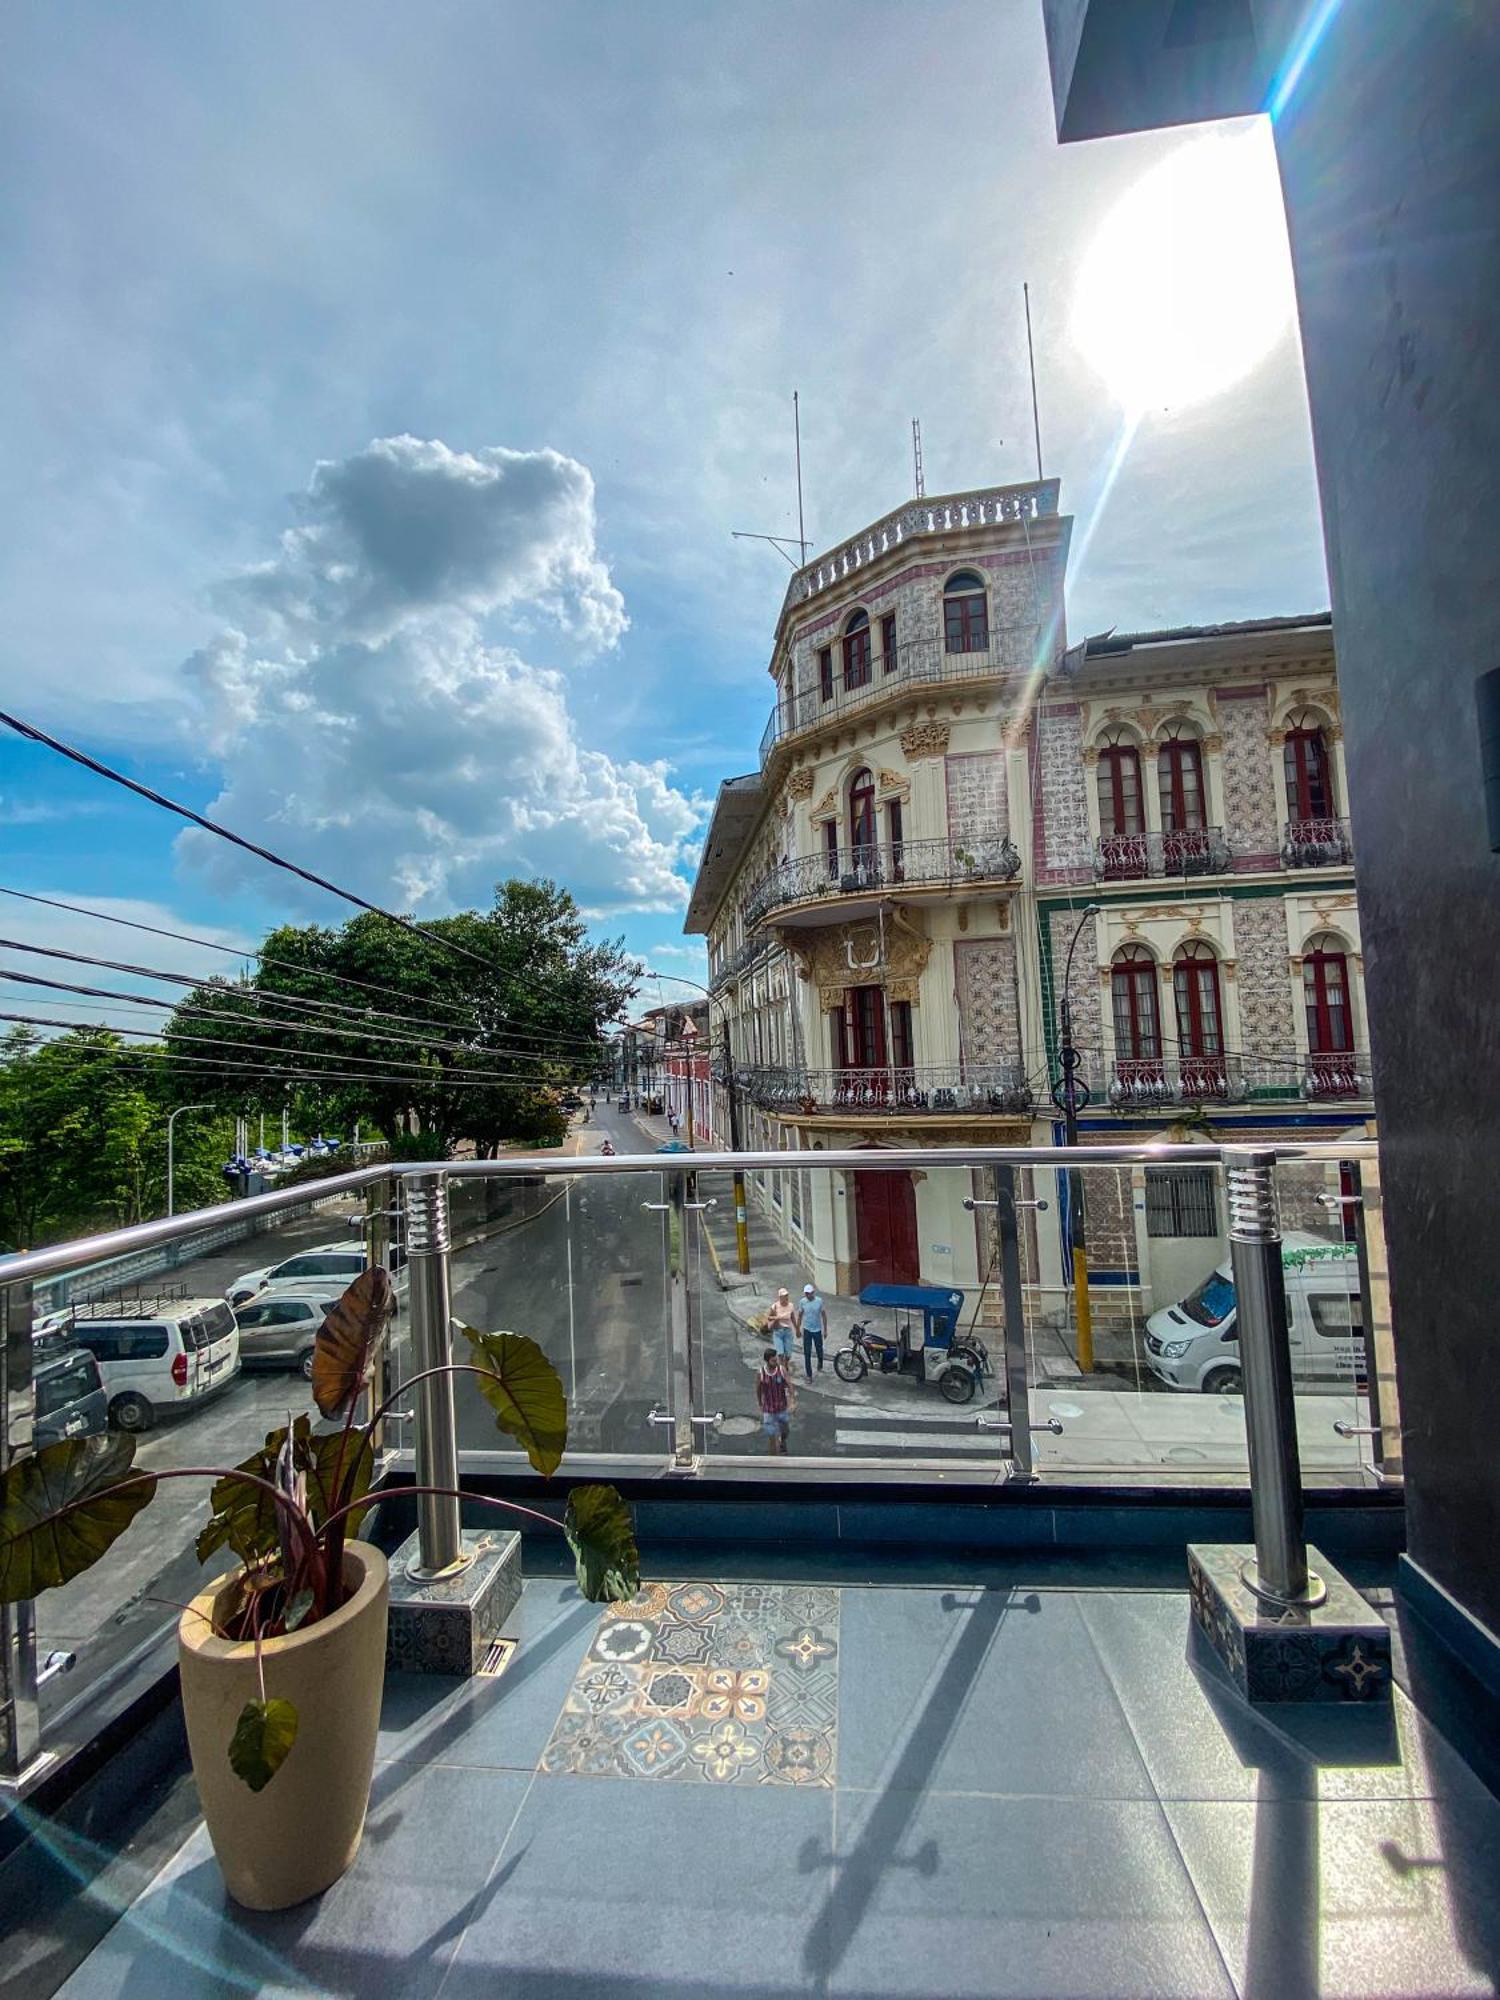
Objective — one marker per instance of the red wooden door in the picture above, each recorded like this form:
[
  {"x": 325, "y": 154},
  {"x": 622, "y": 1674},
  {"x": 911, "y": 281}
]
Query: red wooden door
[{"x": 885, "y": 1224}]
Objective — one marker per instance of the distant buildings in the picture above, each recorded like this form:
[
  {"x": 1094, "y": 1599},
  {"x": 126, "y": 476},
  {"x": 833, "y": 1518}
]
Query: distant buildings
[{"x": 891, "y": 898}]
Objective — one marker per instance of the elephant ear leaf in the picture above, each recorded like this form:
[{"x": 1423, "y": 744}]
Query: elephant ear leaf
[
  {"x": 601, "y": 1534},
  {"x": 347, "y": 1340},
  {"x": 62, "y": 1507},
  {"x": 262, "y": 1737},
  {"x": 526, "y": 1393},
  {"x": 243, "y": 1517}
]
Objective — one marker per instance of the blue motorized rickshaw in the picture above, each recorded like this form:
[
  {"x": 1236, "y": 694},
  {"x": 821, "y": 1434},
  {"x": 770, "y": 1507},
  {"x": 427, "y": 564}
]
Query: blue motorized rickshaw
[{"x": 925, "y": 1341}]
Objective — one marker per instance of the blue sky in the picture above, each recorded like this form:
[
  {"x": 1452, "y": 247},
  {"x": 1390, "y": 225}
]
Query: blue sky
[{"x": 384, "y": 383}]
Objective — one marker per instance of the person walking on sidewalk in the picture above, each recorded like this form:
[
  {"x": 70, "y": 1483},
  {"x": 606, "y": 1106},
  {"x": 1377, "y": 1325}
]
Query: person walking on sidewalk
[
  {"x": 811, "y": 1317},
  {"x": 781, "y": 1324},
  {"x": 773, "y": 1395}
]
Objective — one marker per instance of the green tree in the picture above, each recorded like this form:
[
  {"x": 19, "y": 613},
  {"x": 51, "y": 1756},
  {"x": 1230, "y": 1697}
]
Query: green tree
[{"x": 474, "y": 1044}]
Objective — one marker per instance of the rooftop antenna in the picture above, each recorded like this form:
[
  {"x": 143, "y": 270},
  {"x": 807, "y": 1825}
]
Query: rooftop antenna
[
  {"x": 784, "y": 542},
  {"x": 1036, "y": 422},
  {"x": 916, "y": 456}
]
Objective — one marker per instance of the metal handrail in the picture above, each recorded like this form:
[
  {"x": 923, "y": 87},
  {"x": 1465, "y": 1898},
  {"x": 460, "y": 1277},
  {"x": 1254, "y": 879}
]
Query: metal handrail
[{"x": 59, "y": 1257}]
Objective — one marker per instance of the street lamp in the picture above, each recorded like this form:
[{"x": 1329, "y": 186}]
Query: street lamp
[
  {"x": 741, "y": 1213},
  {"x": 1071, "y": 1096},
  {"x": 172, "y": 1118}
]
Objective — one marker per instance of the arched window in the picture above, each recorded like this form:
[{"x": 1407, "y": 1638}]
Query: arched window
[
  {"x": 1309, "y": 781},
  {"x": 1132, "y": 987},
  {"x": 862, "y": 817},
  {"x": 1119, "y": 784},
  {"x": 966, "y": 623},
  {"x": 1179, "y": 777},
  {"x": 857, "y": 650},
  {"x": 1325, "y": 994},
  {"x": 1195, "y": 987}
]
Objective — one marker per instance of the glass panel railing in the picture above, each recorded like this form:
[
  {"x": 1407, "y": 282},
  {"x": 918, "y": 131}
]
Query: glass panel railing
[
  {"x": 1159, "y": 1396},
  {"x": 1320, "y": 1263},
  {"x": 909, "y": 1302},
  {"x": 578, "y": 1262},
  {"x": 161, "y": 1353}
]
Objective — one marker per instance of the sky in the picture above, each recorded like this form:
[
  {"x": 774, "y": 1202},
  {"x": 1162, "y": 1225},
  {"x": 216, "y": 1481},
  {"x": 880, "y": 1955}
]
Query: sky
[{"x": 384, "y": 385}]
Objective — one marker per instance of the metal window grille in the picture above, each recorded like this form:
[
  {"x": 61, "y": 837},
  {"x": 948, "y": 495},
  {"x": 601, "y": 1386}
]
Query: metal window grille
[{"x": 1181, "y": 1201}]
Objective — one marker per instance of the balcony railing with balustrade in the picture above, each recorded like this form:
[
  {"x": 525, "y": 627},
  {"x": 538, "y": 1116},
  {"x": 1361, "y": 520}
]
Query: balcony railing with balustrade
[
  {"x": 1316, "y": 843},
  {"x": 1131, "y": 857},
  {"x": 742, "y": 960},
  {"x": 894, "y": 1089},
  {"x": 1152, "y": 1083},
  {"x": 893, "y": 866},
  {"x": 916, "y": 663},
  {"x": 994, "y": 506}
]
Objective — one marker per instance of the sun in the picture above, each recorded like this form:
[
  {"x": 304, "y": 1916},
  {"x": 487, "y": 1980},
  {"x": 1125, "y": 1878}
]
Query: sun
[{"x": 1188, "y": 283}]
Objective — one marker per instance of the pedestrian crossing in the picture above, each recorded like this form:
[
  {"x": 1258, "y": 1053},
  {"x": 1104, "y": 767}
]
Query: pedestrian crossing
[{"x": 919, "y": 1432}]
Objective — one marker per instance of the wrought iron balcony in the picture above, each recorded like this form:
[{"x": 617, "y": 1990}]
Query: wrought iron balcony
[
  {"x": 1154, "y": 1083},
  {"x": 895, "y": 1089},
  {"x": 1130, "y": 857},
  {"x": 915, "y": 663},
  {"x": 1328, "y": 1078},
  {"x": 749, "y": 954},
  {"x": 884, "y": 867},
  {"x": 1316, "y": 843}
]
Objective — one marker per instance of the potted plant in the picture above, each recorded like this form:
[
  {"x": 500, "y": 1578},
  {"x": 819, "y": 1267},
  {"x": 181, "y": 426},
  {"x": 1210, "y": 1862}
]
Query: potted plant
[{"x": 281, "y": 1660}]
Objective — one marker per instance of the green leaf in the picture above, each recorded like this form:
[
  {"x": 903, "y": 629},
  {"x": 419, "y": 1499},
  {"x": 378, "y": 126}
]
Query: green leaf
[
  {"x": 244, "y": 1516},
  {"x": 262, "y": 1737},
  {"x": 41, "y": 1545},
  {"x": 526, "y": 1393},
  {"x": 601, "y": 1534}
]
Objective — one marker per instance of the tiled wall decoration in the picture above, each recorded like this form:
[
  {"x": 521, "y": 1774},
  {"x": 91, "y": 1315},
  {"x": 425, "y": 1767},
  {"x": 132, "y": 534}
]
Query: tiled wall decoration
[{"x": 988, "y": 1007}]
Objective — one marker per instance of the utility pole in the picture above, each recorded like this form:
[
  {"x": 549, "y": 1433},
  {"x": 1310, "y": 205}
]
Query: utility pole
[
  {"x": 172, "y": 1118},
  {"x": 741, "y": 1213},
  {"x": 1071, "y": 1097}
]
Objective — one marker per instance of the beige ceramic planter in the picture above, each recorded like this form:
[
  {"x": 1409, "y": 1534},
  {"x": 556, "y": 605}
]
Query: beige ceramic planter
[{"x": 285, "y": 1843}]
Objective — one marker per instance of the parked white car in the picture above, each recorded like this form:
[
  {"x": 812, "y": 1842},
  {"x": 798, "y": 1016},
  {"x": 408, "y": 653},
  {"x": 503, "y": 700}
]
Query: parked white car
[
  {"x": 158, "y": 1355},
  {"x": 343, "y": 1261},
  {"x": 1195, "y": 1344}
]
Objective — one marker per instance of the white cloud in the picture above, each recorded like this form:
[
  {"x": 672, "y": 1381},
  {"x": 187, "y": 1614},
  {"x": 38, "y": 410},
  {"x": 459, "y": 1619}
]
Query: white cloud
[{"x": 378, "y": 718}]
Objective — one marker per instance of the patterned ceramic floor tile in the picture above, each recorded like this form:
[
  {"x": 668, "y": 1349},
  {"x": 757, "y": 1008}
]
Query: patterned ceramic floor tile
[{"x": 711, "y": 1683}]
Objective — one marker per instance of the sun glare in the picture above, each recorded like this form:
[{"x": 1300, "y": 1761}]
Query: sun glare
[{"x": 1188, "y": 283}]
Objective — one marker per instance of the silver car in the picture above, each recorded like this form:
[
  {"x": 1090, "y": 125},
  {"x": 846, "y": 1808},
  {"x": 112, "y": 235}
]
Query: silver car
[{"x": 278, "y": 1329}]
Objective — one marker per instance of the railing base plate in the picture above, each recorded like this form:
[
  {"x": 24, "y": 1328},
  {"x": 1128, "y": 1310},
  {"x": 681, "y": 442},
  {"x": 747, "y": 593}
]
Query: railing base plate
[{"x": 1334, "y": 1650}]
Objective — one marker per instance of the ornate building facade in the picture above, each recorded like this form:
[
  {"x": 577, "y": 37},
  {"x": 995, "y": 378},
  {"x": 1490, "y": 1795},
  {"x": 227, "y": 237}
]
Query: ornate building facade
[{"x": 951, "y": 806}]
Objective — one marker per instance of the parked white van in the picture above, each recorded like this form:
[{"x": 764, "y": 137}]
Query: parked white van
[
  {"x": 158, "y": 1355},
  {"x": 1195, "y": 1344}
]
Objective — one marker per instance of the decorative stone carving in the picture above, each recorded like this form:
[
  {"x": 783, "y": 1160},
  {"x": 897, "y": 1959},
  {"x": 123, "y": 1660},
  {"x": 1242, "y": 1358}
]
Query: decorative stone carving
[
  {"x": 925, "y": 739},
  {"x": 827, "y": 806},
  {"x": 1213, "y": 746},
  {"x": 1276, "y": 738},
  {"x": 830, "y": 955},
  {"x": 799, "y": 785},
  {"x": 892, "y": 785},
  {"x": 908, "y": 990},
  {"x": 1091, "y": 755}
]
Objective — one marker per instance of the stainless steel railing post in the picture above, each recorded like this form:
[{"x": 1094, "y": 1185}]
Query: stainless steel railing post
[
  {"x": 428, "y": 1240},
  {"x": 20, "y": 1715},
  {"x": 1017, "y": 1375},
  {"x": 1278, "y": 1572},
  {"x": 680, "y": 1317}
]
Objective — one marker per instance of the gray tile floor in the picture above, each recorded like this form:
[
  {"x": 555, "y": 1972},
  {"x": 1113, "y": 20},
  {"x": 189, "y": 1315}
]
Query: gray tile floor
[{"x": 1034, "y": 1792}]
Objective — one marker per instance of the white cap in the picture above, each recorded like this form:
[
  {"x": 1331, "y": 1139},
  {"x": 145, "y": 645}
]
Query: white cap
[{"x": 808, "y": 1292}]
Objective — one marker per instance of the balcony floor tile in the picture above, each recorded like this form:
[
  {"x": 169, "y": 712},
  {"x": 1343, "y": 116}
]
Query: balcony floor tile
[
  {"x": 431, "y": 1841},
  {"x": 980, "y": 1690}
]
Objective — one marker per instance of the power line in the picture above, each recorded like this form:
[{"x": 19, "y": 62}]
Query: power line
[
  {"x": 101, "y": 770},
  {"x": 540, "y": 1035},
  {"x": 271, "y": 1074},
  {"x": 306, "y": 1055},
  {"x": 256, "y": 996}
]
